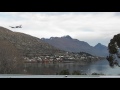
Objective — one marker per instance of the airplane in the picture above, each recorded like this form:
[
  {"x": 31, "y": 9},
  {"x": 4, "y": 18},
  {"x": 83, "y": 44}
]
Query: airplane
[{"x": 16, "y": 26}]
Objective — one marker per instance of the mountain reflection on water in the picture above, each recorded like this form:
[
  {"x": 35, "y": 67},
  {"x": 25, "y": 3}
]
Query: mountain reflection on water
[{"x": 101, "y": 66}]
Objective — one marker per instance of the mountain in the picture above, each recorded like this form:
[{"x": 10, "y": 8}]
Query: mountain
[
  {"x": 17, "y": 48},
  {"x": 27, "y": 45},
  {"x": 101, "y": 48},
  {"x": 67, "y": 43}
]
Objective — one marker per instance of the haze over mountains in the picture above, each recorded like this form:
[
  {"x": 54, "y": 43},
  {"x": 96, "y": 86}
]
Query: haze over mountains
[{"x": 74, "y": 45}]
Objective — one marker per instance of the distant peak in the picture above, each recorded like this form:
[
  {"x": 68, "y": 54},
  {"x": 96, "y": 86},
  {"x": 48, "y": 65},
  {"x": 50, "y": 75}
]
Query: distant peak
[
  {"x": 99, "y": 44},
  {"x": 42, "y": 38},
  {"x": 67, "y": 36}
]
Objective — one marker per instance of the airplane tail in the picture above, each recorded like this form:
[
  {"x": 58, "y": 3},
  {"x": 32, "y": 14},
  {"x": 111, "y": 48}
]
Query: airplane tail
[{"x": 20, "y": 26}]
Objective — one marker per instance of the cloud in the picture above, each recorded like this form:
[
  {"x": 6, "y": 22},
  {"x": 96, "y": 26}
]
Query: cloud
[{"x": 92, "y": 27}]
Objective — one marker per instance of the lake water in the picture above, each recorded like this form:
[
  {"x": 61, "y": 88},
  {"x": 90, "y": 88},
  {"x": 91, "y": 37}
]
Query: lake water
[{"x": 101, "y": 66}]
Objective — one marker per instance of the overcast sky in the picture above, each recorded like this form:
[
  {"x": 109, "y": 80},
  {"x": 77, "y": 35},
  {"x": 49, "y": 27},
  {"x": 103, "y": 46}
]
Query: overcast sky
[{"x": 91, "y": 27}]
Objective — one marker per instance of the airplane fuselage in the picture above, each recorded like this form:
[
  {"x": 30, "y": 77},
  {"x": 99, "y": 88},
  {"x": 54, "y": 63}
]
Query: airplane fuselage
[{"x": 17, "y": 26}]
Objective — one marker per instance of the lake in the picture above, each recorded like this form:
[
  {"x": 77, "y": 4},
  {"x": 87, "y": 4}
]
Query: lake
[{"x": 101, "y": 66}]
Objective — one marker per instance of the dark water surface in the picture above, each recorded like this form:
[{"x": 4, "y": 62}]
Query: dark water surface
[{"x": 101, "y": 66}]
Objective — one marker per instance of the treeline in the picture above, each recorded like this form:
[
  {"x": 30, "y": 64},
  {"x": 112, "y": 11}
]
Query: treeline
[
  {"x": 82, "y": 53},
  {"x": 75, "y": 72}
]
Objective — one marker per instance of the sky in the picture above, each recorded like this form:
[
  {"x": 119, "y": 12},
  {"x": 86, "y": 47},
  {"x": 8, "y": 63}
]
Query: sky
[{"x": 91, "y": 27}]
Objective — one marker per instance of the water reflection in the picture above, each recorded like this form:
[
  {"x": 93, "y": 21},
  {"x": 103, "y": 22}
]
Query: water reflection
[{"x": 101, "y": 66}]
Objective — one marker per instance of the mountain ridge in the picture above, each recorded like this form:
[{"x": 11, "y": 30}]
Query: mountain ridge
[
  {"x": 17, "y": 48},
  {"x": 67, "y": 43},
  {"x": 27, "y": 44}
]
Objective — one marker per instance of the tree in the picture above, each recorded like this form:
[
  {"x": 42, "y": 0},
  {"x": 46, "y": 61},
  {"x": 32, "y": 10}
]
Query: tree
[
  {"x": 76, "y": 73},
  {"x": 113, "y": 48},
  {"x": 64, "y": 72}
]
